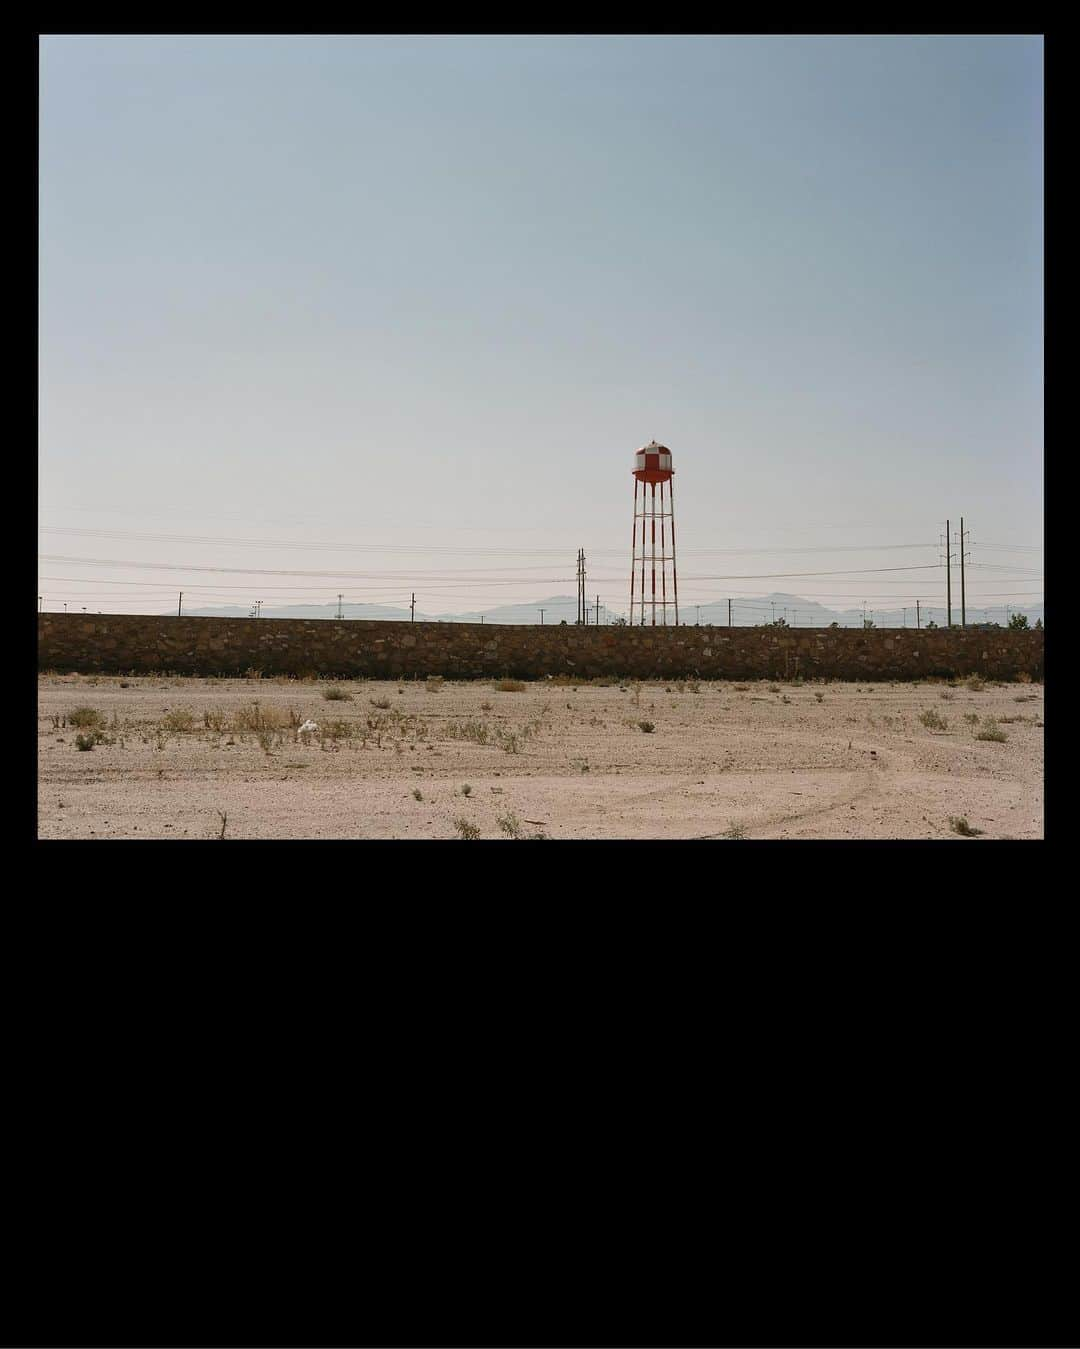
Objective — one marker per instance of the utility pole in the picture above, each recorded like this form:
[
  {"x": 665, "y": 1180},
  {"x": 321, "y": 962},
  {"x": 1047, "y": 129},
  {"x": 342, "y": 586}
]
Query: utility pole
[
  {"x": 541, "y": 618},
  {"x": 339, "y": 606},
  {"x": 597, "y": 623},
  {"x": 963, "y": 596},
  {"x": 948, "y": 577},
  {"x": 65, "y": 606},
  {"x": 904, "y": 612},
  {"x": 698, "y": 608},
  {"x": 180, "y": 604},
  {"x": 729, "y": 613},
  {"x": 918, "y": 615},
  {"x": 412, "y": 608},
  {"x": 579, "y": 618},
  {"x": 39, "y": 599}
]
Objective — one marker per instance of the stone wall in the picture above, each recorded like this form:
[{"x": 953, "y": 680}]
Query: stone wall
[{"x": 122, "y": 643}]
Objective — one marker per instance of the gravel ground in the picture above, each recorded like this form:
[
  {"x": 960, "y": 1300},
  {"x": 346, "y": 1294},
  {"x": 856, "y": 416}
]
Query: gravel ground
[{"x": 753, "y": 760}]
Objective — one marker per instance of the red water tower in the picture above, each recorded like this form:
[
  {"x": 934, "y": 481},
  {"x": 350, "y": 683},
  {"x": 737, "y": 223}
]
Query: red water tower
[{"x": 652, "y": 468}]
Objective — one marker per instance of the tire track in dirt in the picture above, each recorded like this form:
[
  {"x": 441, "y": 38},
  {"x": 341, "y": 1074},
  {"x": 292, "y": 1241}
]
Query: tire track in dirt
[{"x": 864, "y": 787}]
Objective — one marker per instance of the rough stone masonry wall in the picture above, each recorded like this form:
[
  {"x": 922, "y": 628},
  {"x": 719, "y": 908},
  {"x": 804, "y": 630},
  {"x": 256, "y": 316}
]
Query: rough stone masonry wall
[{"x": 109, "y": 643}]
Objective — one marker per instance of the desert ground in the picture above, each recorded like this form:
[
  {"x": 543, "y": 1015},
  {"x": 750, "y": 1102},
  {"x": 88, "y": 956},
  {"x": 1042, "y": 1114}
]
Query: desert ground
[{"x": 166, "y": 757}]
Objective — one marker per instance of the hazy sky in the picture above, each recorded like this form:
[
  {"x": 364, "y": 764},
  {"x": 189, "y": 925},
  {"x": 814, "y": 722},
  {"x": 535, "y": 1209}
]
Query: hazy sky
[{"x": 431, "y": 293}]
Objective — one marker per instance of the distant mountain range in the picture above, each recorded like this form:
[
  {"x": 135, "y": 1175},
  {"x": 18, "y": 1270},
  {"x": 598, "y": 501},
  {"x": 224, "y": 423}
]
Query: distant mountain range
[{"x": 794, "y": 609}]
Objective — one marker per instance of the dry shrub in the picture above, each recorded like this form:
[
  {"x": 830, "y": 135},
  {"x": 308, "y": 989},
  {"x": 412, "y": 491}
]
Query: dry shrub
[
  {"x": 510, "y": 685},
  {"x": 336, "y": 695},
  {"x": 178, "y": 719},
  {"x": 467, "y": 730},
  {"x": 256, "y": 718},
  {"x": 991, "y": 731},
  {"x": 85, "y": 717}
]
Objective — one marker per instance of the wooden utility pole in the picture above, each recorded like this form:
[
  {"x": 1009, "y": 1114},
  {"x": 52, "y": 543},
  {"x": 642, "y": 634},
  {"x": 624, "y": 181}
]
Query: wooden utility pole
[
  {"x": 412, "y": 608},
  {"x": 597, "y": 611},
  {"x": 729, "y": 613},
  {"x": 918, "y": 615},
  {"x": 179, "y": 604}
]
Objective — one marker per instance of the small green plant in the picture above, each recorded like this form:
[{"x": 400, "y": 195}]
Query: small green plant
[
  {"x": 932, "y": 721},
  {"x": 465, "y": 828},
  {"x": 959, "y": 825},
  {"x": 85, "y": 741},
  {"x": 85, "y": 717},
  {"x": 178, "y": 719},
  {"x": 820, "y": 697},
  {"x": 990, "y": 730},
  {"x": 418, "y": 795},
  {"x": 647, "y": 726},
  {"x": 510, "y": 685},
  {"x": 466, "y": 790},
  {"x": 972, "y": 718},
  {"x": 382, "y": 703},
  {"x": 785, "y": 699},
  {"x": 509, "y": 824},
  {"x": 508, "y": 741},
  {"x": 976, "y": 684},
  {"x": 333, "y": 694}
]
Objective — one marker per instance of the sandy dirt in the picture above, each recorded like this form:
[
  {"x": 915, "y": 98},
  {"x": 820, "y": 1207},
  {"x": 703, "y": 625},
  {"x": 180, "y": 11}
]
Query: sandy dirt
[{"x": 755, "y": 760}]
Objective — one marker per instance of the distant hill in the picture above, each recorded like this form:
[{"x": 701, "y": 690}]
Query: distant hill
[{"x": 796, "y": 610}]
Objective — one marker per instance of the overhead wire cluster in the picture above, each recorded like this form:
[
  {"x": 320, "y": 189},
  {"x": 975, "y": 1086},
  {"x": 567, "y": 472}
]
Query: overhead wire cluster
[{"x": 495, "y": 585}]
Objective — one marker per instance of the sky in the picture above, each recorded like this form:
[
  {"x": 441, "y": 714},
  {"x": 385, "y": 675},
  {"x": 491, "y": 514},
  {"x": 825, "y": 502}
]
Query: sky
[{"x": 397, "y": 311}]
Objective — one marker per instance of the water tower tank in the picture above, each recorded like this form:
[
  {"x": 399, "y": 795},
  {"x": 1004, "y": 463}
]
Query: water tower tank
[{"x": 652, "y": 463}]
